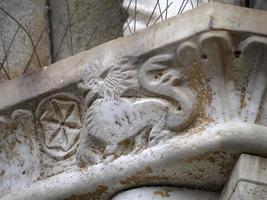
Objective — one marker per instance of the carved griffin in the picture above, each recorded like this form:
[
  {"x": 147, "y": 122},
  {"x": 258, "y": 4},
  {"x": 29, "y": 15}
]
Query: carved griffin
[{"x": 116, "y": 124}]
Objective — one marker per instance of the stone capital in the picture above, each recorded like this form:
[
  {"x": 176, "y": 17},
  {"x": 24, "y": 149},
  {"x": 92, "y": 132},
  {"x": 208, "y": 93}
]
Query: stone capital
[{"x": 173, "y": 104}]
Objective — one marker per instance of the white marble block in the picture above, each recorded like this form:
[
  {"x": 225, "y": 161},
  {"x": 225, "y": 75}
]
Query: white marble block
[
  {"x": 248, "y": 180},
  {"x": 166, "y": 193}
]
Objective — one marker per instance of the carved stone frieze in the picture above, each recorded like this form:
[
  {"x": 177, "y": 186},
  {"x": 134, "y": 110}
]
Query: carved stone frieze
[
  {"x": 235, "y": 76},
  {"x": 60, "y": 120},
  {"x": 200, "y": 78},
  {"x": 165, "y": 106},
  {"x": 116, "y": 125}
]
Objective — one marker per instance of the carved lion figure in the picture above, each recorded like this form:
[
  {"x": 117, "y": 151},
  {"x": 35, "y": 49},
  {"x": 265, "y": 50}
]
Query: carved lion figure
[{"x": 115, "y": 125}]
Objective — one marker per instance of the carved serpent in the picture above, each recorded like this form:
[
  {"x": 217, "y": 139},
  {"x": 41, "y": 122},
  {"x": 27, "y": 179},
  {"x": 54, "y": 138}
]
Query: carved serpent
[{"x": 168, "y": 83}]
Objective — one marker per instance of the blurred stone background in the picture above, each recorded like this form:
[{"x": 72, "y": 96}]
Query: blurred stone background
[
  {"x": 83, "y": 24},
  {"x": 24, "y": 31},
  {"x": 35, "y": 33}
]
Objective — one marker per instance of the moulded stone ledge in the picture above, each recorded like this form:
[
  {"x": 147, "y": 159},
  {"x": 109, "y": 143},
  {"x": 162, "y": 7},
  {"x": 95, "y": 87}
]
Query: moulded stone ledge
[
  {"x": 167, "y": 193},
  {"x": 204, "y": 160}
]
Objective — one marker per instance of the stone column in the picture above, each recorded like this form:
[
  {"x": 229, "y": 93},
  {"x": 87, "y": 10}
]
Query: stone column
[
  {"x": 24, "y": 37},
  {"x": 78, "y": 25}
]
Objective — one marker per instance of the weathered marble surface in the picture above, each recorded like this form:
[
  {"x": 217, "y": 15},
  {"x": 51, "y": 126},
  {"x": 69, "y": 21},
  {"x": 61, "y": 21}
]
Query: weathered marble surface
[
  {"x": 19, "y": 163},
  {"x": 248, "y": 180},
  {"x": 16, "y": 47},
  {"x": 159, "y": 107}
]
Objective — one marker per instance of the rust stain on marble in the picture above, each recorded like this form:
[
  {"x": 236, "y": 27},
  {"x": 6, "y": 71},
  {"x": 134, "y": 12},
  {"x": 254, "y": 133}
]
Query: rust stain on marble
[
  {"x": 197, "y": 81},
  {"x": 142, "y": 177},
  {"x": 224, "y": 160},
  {"x": 96, "y": 195},
  {"x": 139, "y": 177},
  {"x": 162, "y": 193}
]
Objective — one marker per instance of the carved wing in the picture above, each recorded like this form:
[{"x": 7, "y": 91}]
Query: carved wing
[{"x": 120, "y": 78}]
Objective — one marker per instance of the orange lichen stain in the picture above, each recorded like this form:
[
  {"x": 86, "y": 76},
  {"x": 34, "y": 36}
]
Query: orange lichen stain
[
  {"x": 13, "y": 145},
  {"x": 200, "y": 125},
  {"x": 96, "y": 195},
  {"x": 197, "y": 81},
  {"x": 243, "y": 103},
  {"x": 138, "y": 177},
  {"x": 148, "y": 170},
  {"x": 2, "y": 172},
  {"x": 224, "y": 160},
  {"x": 141, "y": 177},
  {"x": 126, "y": 143},
  {"x": 162, "y": 193}
]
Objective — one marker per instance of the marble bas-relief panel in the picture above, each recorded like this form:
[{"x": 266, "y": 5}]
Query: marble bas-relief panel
[
  {"x": 141, "y": 102},
  {"x": 179, "y": 113},
  {"x": 138, "y": 103},
  {"x": 208, "y": 81},
  {"x": 59, "y": 123},
  {"x": 119, "y": 123},
  {"x": 37, "y": 145}
]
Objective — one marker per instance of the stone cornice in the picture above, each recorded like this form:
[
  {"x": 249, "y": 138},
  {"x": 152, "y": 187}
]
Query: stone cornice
[
  {"x": 203, "y": 161},
  {"x": 174, "y": 30}
]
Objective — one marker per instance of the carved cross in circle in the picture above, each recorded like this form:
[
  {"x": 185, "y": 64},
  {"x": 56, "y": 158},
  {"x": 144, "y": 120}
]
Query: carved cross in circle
[
  {"x": 62, "y": 124},
  {"x": 60, "y": 121}
]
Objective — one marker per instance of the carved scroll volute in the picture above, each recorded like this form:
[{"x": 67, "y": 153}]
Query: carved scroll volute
[
  {"x": 188, "y": 54},
  {"x": 253, "y": 56},
  {"x": 217, "y": 56}
]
